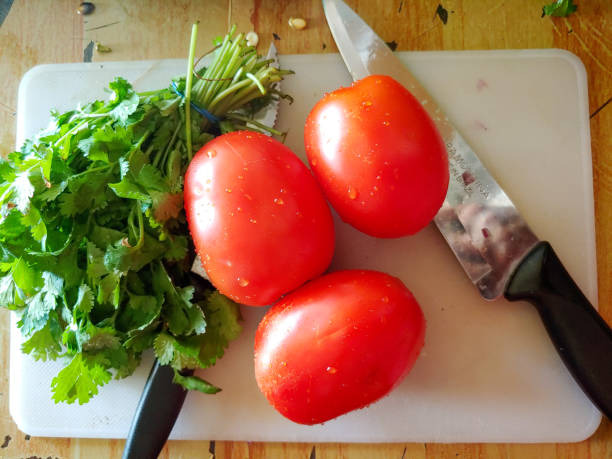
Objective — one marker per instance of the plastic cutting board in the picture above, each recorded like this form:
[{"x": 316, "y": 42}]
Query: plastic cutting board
[{"x": 488, "y": 372}]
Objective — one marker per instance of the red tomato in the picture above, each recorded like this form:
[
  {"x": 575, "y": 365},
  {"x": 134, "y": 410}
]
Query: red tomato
[
  {"x": 336, "y": 344},
  {"x": 378, "y": 156},
  {"x": 258, "y": 219}
]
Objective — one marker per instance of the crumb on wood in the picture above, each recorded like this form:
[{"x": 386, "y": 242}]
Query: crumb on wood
[{"x": 297, "y": 23}]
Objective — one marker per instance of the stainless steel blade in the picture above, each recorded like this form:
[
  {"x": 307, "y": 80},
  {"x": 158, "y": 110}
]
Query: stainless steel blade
[
  {"x": 478, "y": 220},
  {"x": 266, "y": 116}
]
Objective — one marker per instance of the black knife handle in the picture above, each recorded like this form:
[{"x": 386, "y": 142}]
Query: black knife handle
[
  {"x": 158, "y": 408},
  {"x": 581, "y": 336}
]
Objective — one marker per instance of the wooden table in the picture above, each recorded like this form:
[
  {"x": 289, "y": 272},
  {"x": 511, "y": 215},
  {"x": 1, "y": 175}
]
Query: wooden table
[{"x": 50, "y": 31}]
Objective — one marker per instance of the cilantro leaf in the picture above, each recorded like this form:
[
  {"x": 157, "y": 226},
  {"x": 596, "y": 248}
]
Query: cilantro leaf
[
  {"x": 129, "y": 189},
  {"x": 8, "y": 291},
  {"x": 79, "y": 381},
  {"x": 164, "y": 348},
  {"x": 182, "y": 316},
  {"x": 194, "y": 383},
  {"x": 139, "y": 312},
  {"x": 124, "y": 99},
  {"x": 24, "y": 276},
  {"x": 166, "y": 206},
  {"x": 121, "y": 257},
  {"x": 85, "y": 300},
  {"x": 44, "y": 344},
  {"x": 37, "y": 226},
  {"x": 22, "y": 191}
]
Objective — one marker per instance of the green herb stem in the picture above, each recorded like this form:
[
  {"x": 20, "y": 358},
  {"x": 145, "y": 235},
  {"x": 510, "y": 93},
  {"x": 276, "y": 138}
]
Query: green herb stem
[{"x": 188, "y": 81}]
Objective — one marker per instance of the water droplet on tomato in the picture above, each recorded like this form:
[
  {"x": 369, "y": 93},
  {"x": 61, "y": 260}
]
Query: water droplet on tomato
[
  {"x": 282, "y": 190},
  {"x": 313, "y": 162},
  {"x": 252, "y": 220},
  {"x": 248, "y": 196},
  {"x": 228, "y": 190},
  {"x": 298, "y": 214},
  {"x": 243, "y": 282},
  {"x": 378, "y": 177},
  {"x": 198, "y": 188},
  {"x": 352, "y": 192},
  {"x": 279, "y": 201},
  {"x": 331, "y": 370},
  {"x": 211, "y": 153},
  {"x": 385, "y": 299},
  {"x": 240, "y": 177}
]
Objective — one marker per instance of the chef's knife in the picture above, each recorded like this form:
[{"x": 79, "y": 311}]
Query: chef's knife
[
  {"x": 491, "y": 241},
  {"x": 161, "y": 400}
]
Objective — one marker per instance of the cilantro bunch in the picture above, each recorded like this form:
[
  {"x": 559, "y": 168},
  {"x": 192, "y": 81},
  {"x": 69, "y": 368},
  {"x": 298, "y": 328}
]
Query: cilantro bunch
[{"x": 95, "y": 253}]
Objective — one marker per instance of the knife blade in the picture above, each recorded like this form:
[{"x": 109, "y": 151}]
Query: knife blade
[
  {"x": 493, "y": 244},
  {"x": 161, "y": 400}
]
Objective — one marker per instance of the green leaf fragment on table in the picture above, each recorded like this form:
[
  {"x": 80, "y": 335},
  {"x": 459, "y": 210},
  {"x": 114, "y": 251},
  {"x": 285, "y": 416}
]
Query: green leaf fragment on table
[{"x": 560, "y": 8}]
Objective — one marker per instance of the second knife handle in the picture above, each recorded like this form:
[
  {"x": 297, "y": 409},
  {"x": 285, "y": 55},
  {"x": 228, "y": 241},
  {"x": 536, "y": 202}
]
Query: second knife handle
[
  {"x": 157, "y": 411},
  {"x": 581, "y": 336}
]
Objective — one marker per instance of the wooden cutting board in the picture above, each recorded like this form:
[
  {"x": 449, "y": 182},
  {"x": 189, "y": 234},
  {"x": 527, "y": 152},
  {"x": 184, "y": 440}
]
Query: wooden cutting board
[{"x": 488, "y": 372}]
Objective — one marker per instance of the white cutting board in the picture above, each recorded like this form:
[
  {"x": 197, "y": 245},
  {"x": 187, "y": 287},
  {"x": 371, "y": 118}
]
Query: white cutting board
[{"x": 488, "y": 372}]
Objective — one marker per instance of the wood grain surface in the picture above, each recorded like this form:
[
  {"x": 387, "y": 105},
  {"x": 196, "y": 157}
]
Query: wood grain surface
[{"x": 50, "y": 31}]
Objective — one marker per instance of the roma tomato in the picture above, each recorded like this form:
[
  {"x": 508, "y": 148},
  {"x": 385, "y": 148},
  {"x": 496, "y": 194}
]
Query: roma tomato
[
  {"x": 336, "y": 344},
  {"x": 378, "y": 156},
  {"x": 258, "y": 219}
]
